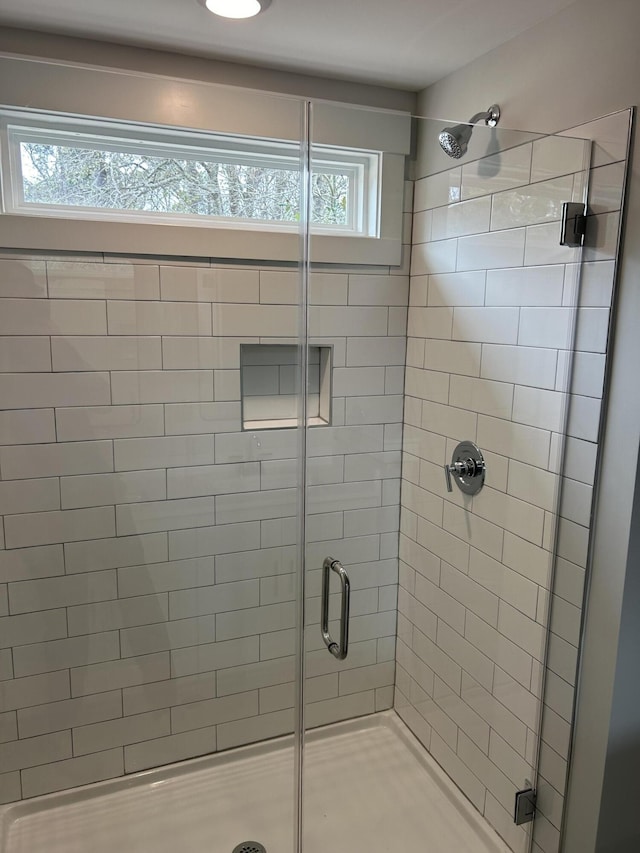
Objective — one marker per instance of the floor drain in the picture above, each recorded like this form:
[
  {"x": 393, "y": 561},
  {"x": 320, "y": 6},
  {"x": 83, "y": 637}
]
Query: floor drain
[{"x": 250, "y": 847}]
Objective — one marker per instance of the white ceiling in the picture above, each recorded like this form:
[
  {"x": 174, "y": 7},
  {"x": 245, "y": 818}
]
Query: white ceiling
[{"x": 401, "y": 43}]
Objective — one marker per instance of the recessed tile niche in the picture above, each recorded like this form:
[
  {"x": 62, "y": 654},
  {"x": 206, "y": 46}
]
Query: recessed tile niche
[{"x": 269, "y": 383}]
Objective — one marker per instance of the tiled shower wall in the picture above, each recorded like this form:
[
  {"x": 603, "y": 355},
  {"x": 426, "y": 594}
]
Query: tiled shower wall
[
  {"x": 148, "y": 556},
  {"x": 487, "y": 333}
]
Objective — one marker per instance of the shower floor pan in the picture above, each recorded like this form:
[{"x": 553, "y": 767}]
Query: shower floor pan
[{"x": 370, "y": 788}]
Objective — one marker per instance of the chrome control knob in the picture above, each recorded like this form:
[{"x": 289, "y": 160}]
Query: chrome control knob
[{"x": 467, "y": 468}]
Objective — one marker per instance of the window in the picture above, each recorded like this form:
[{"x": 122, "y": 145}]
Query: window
[
  {"x": 225, "y": 162},
  {"x": 109, "y": 171}
]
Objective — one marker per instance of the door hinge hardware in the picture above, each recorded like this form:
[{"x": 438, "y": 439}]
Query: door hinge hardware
[
  {"x": 574, "y": 224},
  {"x": 525, "y": 807}
]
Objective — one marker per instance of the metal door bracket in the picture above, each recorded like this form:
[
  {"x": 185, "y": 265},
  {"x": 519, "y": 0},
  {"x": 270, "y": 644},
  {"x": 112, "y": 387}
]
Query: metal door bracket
[
  {"x": 525, "y": 808},
  {"x": 574, "y": 224}
]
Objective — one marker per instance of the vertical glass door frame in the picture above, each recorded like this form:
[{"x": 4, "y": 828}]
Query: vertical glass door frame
[{"x": 303, "y": 360}]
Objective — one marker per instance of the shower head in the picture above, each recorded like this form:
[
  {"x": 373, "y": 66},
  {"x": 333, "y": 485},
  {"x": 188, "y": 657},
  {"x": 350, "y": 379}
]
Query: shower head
[{"x": 455, "y": 140}]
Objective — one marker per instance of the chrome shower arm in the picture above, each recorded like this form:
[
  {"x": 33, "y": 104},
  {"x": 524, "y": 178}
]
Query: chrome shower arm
[{"x": 491, "y": 117}]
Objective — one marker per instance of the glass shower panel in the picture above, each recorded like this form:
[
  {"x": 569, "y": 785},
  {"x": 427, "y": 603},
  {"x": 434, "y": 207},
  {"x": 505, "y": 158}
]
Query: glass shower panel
[
  {"x": 449, "y": 596},
  {"x": 150, "y": 470},
  {"x": 358, "y": 308}
]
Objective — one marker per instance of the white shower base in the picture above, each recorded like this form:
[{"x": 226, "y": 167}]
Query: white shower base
[{"x": 370, "y": 788}]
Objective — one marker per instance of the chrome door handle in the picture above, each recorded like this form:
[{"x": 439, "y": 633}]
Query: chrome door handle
[{"x": 340, "y": 650}]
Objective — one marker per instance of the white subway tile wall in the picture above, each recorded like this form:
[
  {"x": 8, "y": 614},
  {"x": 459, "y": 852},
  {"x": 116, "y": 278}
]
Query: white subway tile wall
[
  {"x": 147, "y": 586},
  {"x": 492, "y": 366}
]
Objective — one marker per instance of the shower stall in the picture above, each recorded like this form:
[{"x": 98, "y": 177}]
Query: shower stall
[{"x": 242, "y": 607}]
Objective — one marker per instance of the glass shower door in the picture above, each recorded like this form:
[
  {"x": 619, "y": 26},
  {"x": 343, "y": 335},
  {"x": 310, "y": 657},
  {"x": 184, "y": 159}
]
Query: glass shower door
[
  {"x": 489, "y": 298},
  {"x": 150, "y": 468},
  {"x": 358, "y": 309}
]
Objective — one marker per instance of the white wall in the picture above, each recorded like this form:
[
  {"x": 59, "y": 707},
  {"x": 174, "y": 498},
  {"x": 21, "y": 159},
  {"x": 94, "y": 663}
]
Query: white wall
[
  {"x": 579, "y": 65},
  {"x": 120, "y": 56},
  {"x": 122, "y": 554},
  {"x": 618, "y": 829},
  {"x": 489, "y": 327},
  {"x": 147, "y": 605}
]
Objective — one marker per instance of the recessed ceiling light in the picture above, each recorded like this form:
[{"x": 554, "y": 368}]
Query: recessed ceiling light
[{"x": 236, "y": 8}]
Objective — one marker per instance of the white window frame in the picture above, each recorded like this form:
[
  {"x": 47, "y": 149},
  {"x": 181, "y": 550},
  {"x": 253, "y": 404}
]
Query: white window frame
[
  {"x": 82, "y": 92},
  {"x": 18, "y": 127}
]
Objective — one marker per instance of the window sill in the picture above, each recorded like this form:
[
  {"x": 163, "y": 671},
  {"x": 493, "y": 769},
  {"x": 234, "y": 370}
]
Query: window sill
[{"x": 53, "y": 234}]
